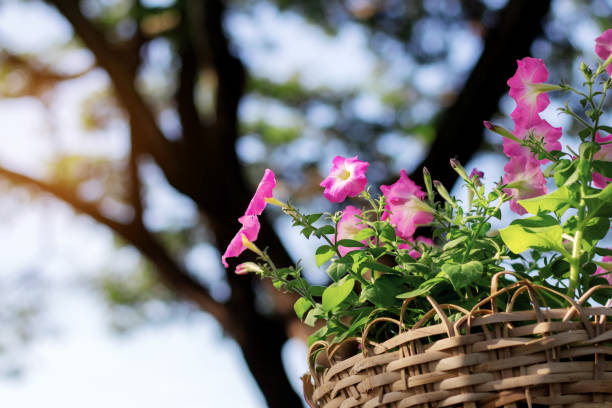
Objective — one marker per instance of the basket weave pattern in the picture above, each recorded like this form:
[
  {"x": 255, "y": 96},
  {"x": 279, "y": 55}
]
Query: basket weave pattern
[{"x": 540, "y": 357}]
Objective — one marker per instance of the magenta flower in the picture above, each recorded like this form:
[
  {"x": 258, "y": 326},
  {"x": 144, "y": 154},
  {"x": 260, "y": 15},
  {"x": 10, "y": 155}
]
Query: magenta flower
[
  {"x": 530, "y": 98},
  {"x": 348, "y": 227},
  {"x": 540, "y": 129},
  {"x": 524, "y": 179},
  {"x": 605, "y": 154},
  {"x": 346, "y": 178},
  {"x": 600, "y": 270},
  {"x": 603, "y": 48},
  {"x": 475, "y": 172},
  {"x": 414, "y": 253},
  {"x": 405, "y": 208},
  {"x": 264, "y": 190},
  {"x": 250, "y": 229}
]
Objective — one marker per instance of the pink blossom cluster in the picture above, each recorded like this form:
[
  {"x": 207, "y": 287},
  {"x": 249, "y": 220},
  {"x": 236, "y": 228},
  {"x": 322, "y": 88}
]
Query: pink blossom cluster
[
  {"x": 404, "y": 208},
  {"x": 523, "y": 173},
  {"x": 528, "y": 87}
]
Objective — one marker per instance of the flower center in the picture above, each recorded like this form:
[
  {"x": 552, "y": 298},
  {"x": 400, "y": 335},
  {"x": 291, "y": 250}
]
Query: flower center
[{"x": 345, "y": 175}]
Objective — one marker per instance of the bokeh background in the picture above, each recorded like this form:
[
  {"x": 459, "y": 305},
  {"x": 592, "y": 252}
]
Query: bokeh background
[{"x": 132, "y": 134}]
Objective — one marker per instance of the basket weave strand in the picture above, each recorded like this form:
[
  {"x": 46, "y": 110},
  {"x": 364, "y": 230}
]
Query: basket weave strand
[{"x": 557, "y": 358}]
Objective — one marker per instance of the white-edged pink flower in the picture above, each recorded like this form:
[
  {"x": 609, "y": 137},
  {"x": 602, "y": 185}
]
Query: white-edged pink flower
[
  {"x": 250, "y": 229},
  {"x": 603, "y": 48},
  {"x": 541, "y": 130},
  {"x": 346, "y": 178},
  {"x": 531, "y": 99},
  {"x": 414, "y": 253},
  {"x": 605, "y": 154},
  {"x": 524, "y": 179},
  {"x": 349, "y": 226},
  {"x": 264, "y": 190},
  {"x": 404, "y": 207}
]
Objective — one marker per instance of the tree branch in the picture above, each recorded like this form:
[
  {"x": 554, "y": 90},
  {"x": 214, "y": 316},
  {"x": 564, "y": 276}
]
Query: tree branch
[
  {"x": 170, "y": 272},
  {"x": 121, "y": 68},
  {"x": 520, "y": 22}
]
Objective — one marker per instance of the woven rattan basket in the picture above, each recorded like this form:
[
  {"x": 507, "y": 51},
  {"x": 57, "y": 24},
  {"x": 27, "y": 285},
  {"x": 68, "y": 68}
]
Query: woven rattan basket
[{"x": 487, "y": 358}]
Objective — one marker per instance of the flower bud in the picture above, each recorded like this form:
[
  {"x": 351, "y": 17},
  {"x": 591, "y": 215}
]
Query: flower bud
[
  {"x": 444, "y": 193},
  {"x": 247, "y": 267},
  {"x": 501, "y": 131},
  {"x": 586, "y": 71},
  {"x": 428, "y": 187},
  {"x": 459, "y": 169}
]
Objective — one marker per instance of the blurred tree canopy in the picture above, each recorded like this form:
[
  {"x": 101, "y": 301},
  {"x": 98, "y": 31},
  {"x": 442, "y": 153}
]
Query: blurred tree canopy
[{"x": 206, "y": 99}]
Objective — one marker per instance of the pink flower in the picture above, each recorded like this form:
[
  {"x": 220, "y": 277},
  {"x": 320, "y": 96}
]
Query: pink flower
[
  {"x": 405, "y": 208},
  {"x": 601, "y": 270},
  {"x": 603, "y": 48},
  {"x": 475, "y": 172},
  {"x": 540, "y": 129},
  {"x": 348, "y": 227},
  {"x": 250, "y": 229},
  {"x": 264, "y": 190},
  {"x": 524, "y": 179},
  {"x": 413, "y": 251},
  {"x": 605, "y": 154},
  {"x": 346, "y": 178},
  {"x": 530, "y": 98}
]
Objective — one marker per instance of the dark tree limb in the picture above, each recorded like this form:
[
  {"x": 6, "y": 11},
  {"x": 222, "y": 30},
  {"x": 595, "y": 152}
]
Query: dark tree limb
[
  {"x": 121, "y": 67},
  {"x": 459, "y": 133},
  {"x": 170, "y": 272}
]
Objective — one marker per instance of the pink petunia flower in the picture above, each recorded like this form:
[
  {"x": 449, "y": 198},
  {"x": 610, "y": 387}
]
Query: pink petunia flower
[
  {"x": 348, "y": 227},
  {"x": 601, "y": 270},
  {"x": 264, "y": 190},
  {"x": 346, "y": 178},
  {"x": 525, "y": 180},
  {"x": 540, "y": 129},
  {"x": 414, "y": 252},
  {"x": 603, "y": 48},
  {"x": 530, "y": 98},
  {"x": 605, "y": 154},
  {"x": 250, "y": 229},
  {"x": 405, "y": 208}
]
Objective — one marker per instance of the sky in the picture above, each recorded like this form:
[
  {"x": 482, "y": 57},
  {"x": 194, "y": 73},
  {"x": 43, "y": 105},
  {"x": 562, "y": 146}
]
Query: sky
[{"x": 75, "y": 357}]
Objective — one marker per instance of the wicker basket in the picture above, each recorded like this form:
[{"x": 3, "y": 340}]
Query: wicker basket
[{"x": 538, "y": 357}]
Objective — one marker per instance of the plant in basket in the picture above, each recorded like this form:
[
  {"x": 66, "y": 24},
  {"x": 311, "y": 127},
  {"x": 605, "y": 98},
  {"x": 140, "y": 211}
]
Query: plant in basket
[{"x": 470, "y": 315}]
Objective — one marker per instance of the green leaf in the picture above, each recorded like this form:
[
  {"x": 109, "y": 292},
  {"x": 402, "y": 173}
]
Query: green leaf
[
  {"x": 364, "y": 234},
  {"x": 301, "y": 306},
  {"x": 318, "y": 335},
  {"x": 324, "y": 253},
  {"x": 325, "y": 230},
  {"x": 596, "y": 228},
  {"x": 312, "y": 317},
  {"x": 383, "y": 291},
  {"x": 603, "y": 167},
  {"x": 312, "y": 218},
  {"x": 603, "y": 251},
  {"x": 336, "y": 293},
  {"x": 464, "y": 275},
  {"x": 388, "y": 233},
  {"x": 336, "y": 271},
  {"x": 424, "y": 289},
  {"x": 548, "y": 202},
  {"x": 350, "y": 243},
  {"x": 375, "y": 266},
  {"x": 539, "y": 232},
  {"x": 454, "y": 243},
  {"x": 600, "y": 204},
  {"x": 316, "y": 290},
  {"x": 605, "y": 128}
]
